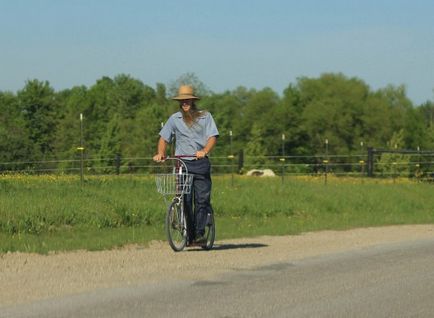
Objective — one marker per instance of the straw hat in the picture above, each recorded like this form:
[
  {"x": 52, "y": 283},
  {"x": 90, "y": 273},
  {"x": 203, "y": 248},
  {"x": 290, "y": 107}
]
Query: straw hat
[{"x": 185, "y": 92}]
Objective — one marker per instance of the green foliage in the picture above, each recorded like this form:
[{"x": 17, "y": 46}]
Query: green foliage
[
  {"x": 200, "y": 89},
  {"x": 110, "y": 145},
  {"x": 122, "y": 115},
  {"x": 332, "y": 107},
  {"x": 68, "y": 133},
  {"x": 426, "y": 112},
  {"x": 395, "y": 164},
  {"x": 38, "y": 104},
  {"x": 15, "y": 144},
  {"x": 255, "y": 147}
]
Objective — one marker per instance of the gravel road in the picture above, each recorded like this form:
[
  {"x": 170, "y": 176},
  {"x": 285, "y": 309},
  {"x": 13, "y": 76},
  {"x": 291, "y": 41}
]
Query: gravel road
[{"x": 26, "y": 278}]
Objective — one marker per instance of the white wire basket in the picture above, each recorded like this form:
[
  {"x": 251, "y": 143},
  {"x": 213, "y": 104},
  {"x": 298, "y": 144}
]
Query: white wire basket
[{"x": 174, "y": 183}]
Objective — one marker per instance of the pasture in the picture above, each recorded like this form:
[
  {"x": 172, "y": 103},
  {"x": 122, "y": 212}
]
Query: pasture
[{"x": 54, "y": 213}]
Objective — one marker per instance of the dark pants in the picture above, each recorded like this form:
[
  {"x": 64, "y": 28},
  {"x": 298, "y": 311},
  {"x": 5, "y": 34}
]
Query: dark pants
[{"x": 200, "y": 195}]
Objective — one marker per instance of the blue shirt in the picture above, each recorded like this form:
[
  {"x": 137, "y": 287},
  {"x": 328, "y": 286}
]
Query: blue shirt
[{"x": 189, "y": 139}]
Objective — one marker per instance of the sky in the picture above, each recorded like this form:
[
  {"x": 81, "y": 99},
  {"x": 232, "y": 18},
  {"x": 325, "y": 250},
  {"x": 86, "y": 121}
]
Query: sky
[{"x": 225, "y": 43}]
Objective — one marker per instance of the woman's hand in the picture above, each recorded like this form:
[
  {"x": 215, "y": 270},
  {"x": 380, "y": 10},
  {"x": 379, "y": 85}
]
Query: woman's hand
[
  {"x": 201, "y": 154},
  {"x": 158, "y": 158}
]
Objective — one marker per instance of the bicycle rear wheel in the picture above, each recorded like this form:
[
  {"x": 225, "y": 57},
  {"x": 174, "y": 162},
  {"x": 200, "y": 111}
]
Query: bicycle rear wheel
[
  {"x": 209, "y": 232},
  {"x": 176, "y": 226}
]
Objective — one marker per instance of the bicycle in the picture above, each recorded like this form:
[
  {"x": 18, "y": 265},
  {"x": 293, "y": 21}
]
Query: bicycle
[{"x": 178, "y": 183}]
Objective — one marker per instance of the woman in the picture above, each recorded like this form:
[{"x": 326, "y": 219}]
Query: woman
[{"x": 195, "y": 135}]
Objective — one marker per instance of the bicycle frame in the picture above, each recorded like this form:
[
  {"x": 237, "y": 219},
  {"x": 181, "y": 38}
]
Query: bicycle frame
[{"x": 176, "y": 185}]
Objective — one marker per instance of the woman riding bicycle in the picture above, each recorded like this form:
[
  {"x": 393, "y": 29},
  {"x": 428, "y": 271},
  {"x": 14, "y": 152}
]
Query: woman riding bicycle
[{"x": 195, "y": 136}]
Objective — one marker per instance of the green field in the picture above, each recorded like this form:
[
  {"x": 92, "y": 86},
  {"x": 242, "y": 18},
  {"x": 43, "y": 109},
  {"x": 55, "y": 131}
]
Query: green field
[{"x": 52, "y": 213}]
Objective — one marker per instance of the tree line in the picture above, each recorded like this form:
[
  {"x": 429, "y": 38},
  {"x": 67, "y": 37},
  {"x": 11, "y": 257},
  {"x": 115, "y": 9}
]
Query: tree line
[{"x": 122, "y": 116}]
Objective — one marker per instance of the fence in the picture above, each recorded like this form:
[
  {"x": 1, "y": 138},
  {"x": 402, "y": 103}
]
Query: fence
[{"x": 374, "y": 163}]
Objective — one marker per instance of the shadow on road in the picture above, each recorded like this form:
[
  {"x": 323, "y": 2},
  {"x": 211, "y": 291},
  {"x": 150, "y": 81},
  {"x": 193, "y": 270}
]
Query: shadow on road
[{"x": 220, "y": 247}]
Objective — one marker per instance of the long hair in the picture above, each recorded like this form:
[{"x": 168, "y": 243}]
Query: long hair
[{"x": 190, "y": 117}]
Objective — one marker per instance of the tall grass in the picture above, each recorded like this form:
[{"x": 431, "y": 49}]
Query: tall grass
[
  {"x": 46, "y": 212},
  {"x": 308, "y": 204},
  {"x": 36, "y": 205}
]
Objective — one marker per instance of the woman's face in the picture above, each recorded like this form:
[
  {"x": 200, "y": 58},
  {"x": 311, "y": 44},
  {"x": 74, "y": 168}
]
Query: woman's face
[{"x": 186, "y": 104}]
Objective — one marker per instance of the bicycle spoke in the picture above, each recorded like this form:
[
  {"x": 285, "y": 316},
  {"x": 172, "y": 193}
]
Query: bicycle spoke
[{"x": 175, "y": 227}]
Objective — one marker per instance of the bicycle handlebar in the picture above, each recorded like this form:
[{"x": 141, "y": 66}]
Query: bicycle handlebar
[
  {"x": 180, "y": 163},
  {"x": 180, "y": 157}
]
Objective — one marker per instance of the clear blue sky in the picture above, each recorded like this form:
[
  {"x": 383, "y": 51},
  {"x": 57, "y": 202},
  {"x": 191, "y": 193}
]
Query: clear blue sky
[{"x": 226, "y": 43}]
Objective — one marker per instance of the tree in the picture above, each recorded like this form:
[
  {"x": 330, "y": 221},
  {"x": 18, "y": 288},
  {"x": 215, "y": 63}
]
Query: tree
[
  {"x": 123, "y": 115},
  {"x": 255, "y": 147},
  {"x": 241, "y": 97},
  {"x": 225, "y": 109},
  {"x": 288, "y": 120},
  {"x": 68, "y": 134},
  {"x": 101, "y": 107},
  {"x": 259, "y": 112},
  {"x": 426, "y": 112},
  {"x": 110, "y": 145},
  {"x": 37, "y": 102},
  {"x": 139, "y": 136},
  {"x": 191, "y": 79},
  {"x": 376, "y": 127},
  {"x": 14, "y": 138},
  {"x": 129, "y": 95},
  {"x": 395, "y": 164},
  {"x": 332, "y": 106},
  {"x": 414, "y": 129},
  {"x": 160, "y": 94},
  {"x": 400, "y": 111}
]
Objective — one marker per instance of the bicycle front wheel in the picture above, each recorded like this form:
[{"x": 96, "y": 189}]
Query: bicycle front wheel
[{"x": 176, "y": 226}]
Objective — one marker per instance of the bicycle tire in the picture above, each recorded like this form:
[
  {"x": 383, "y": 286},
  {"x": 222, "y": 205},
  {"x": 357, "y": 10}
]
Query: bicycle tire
[
  {"x": 176, "y": 226},
  {"x": 209, "y": 232}
]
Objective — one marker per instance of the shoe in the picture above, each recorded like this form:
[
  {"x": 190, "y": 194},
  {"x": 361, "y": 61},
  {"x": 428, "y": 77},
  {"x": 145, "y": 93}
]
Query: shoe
[
  {"x": 190, "y": 241},
  {"x": 200, "y": 239}
]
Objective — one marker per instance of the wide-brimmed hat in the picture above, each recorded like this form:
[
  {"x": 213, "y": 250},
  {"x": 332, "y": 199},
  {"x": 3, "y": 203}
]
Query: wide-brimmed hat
[{"x": 185, "y": 92}]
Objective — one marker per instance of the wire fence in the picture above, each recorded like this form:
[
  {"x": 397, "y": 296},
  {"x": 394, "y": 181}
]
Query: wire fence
[{"x": 411, "y": 165}]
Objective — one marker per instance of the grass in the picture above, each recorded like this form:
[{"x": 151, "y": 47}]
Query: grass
[
  {"x": 80, "y": 239},
  {"x": 49, "y": 213}
]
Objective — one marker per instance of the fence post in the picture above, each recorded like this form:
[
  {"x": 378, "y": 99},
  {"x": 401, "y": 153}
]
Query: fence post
[
  {"x": 326, "y": 161},
  {"x": 240, "y": 160},
  {"x": 231, "y": 158},
  {"x": 283, "y": 158},
  {"x": 118, "y": 163},
  {"x": 418, "y": 166},
  {"x": 370, "y": 162},
  {"x": 81, "y": 148}
]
